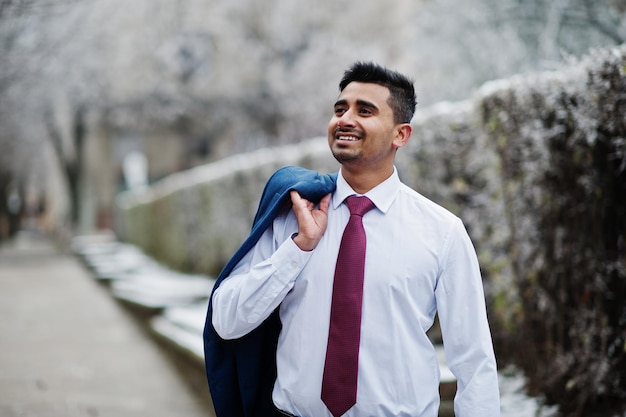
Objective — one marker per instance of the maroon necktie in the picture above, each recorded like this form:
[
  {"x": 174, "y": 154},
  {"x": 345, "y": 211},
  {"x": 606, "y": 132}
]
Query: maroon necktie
[{"x": 342, "y": 353}]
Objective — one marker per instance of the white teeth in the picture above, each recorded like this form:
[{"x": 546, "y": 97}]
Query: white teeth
[{"x": 350, "y": 138}]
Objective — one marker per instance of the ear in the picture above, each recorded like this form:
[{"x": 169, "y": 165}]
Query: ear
[{"x": 403, "y": 133}]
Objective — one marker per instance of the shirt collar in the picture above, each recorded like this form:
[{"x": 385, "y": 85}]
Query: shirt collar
[{"x": 382, "y": 195}]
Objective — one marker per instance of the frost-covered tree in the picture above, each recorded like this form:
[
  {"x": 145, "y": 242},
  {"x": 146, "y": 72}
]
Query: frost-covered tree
[{"x": 226, "y": 77}]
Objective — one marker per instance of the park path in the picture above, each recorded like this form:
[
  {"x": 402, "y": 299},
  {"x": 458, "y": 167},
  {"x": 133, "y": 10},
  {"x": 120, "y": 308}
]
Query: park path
[{"x": 67, "y": 348}]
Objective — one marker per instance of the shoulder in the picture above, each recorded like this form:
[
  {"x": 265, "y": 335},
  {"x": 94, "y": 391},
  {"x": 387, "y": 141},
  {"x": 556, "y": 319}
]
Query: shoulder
[
  {"x": 424, "y": 207},
  {"x": 302, "y": 179}
]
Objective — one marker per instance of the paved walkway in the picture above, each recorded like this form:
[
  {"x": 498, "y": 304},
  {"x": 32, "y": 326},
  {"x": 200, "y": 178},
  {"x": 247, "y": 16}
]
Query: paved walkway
[{"x": 67, "y": 348}]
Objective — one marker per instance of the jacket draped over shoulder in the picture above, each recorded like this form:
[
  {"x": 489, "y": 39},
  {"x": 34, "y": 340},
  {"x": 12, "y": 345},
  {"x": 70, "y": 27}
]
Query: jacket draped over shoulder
[{"x": 241, "y": 373}]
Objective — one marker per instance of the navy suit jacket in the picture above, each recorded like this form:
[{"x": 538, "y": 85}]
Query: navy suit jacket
[{"x": 241, "y": 372}]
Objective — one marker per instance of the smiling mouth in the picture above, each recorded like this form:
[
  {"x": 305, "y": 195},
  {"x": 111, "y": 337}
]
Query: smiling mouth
[{"x": 346, "y": 136}]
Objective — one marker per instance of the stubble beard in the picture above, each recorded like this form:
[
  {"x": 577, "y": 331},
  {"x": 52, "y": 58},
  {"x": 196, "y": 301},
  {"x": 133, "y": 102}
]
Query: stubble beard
[{"x": 344, "y": 155}]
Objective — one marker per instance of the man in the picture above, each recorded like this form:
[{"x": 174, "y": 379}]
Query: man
[{"x": 413, "y": 259}]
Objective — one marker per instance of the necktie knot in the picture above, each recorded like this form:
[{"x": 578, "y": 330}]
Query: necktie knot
[{"x": 359, "y": 205}]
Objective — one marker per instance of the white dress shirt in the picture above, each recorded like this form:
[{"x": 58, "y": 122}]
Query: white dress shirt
[{"x": 419, "y": 261}]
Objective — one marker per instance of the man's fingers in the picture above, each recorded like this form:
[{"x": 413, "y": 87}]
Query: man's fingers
[
  {"x": 325, "y": 203},
  {"x": 295, "y": 197},
  {"x": 298, "y": 200}
]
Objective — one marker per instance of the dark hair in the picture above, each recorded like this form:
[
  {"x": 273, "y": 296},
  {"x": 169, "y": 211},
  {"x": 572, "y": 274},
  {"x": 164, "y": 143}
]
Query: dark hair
[{"x": 402, "y": 93}]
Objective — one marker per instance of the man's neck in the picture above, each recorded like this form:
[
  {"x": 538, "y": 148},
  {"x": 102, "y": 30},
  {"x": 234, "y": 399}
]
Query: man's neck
[{"x": 363, "y": 180}]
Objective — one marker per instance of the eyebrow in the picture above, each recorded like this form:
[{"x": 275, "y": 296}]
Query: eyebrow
[{"x": 362, "y": 103}]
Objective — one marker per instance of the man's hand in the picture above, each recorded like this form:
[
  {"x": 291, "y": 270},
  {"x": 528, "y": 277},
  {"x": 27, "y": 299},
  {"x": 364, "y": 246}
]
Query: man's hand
[{"x": 312, "y": 221}]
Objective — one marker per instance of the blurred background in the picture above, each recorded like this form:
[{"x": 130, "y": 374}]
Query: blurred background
[
  {"x": 119, "y": 115},
  {"x": 83, "y": 84}
]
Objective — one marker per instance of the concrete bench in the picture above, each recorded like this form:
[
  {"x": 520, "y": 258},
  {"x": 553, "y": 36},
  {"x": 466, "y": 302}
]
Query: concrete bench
[
  {"x": 112, "y": 260},
  {"x": 182, "y": 327},
  {"x": 162, "y": 289},
  {"x": 137, "y": 279}
]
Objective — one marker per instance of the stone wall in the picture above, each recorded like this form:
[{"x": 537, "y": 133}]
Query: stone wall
[
  {"x": 561, "y": 142},
  {"x": 195, "y": 220}
]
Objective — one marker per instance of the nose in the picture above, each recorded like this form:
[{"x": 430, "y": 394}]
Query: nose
[{"x": 346, "y": 119}]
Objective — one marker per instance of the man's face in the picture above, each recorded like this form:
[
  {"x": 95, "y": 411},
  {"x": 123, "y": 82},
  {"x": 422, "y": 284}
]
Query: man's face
[{"x": 362, "y": 132}]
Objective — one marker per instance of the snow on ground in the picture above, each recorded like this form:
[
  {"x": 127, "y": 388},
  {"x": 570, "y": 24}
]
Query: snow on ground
[{"x": 515, "y": 402}]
